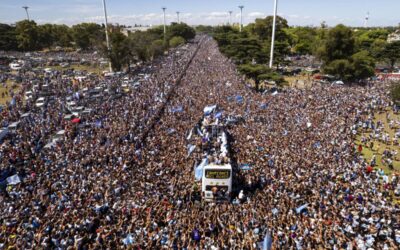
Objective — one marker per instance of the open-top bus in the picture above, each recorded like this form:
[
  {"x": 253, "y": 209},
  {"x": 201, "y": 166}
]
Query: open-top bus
[
  {"x": 216, "y": 182},
  {"x": 216, "y": 166}
]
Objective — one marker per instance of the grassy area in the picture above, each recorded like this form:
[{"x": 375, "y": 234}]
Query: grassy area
[
  {"x": 4, "y": 90},
  {"x": 379, "y": 146},
  {"x": 299, "y": 81},
  {"x": 88, "y": 68}
]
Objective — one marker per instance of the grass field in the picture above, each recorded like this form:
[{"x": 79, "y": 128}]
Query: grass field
[
  {"x": 88, "y": 68},
  {"x": 299, "y": 81},
  {"x": 379, "y": 146},
  {"x": 6, "y": 98}
]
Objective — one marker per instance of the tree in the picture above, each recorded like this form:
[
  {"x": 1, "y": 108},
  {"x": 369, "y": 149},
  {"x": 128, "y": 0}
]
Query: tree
[
  {"x": 259, "y": 73},
  {"x": 366, "y": 38},
  {"x": 395, "y": 92},
  {"x": 182, "y": 30},
  {"x": 243, "y": 49},
  {"x": 8, "y": 40},
  {"x": 358, "y": 67},
  {"x": 390, "y": 53},
  {"x": 340, "y": 68},
  {"x": 339, "y": 44},
  {"x": 156, "y": 48},
  {"x": 88, "y": 35},
  {"x": 363, "y": 65},
  {"x": 263, "y": 28},
  {"x": 302, "y": 39},
  {"x": 27, "y": 35},
  {"x": 119, "y": 54},
  {"x": 176, "y": 41}
]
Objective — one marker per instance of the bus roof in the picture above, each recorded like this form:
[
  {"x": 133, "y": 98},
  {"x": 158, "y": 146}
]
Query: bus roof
[{"x": 216, "y": 166}]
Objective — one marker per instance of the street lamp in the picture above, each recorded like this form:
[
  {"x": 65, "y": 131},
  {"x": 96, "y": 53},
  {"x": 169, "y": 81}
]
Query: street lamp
[
  {"x": 26, "y": 10},
  {"x": 177, "y": 13},
  {"x": 241, "y": 17},
  {"x": 165, "y": 28},
  {"x": 271, "y": 57},
  {"x": 107, "y": 39},
  {"x": 230, "y": 17}
]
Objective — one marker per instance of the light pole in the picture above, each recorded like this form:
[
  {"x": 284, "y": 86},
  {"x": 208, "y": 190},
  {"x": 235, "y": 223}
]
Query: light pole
[
  {"x": 366, "y": 20},
  {"x": 271, "y": 57},
  {"x": 230, "y": 17},
  {"x": 241, "y": 17},
  {"x": 26, "y": 10},
  {"x": 107, "y": 39},
  {"x": 177, "y": 13},
  {"x": 165, "y": 28}
]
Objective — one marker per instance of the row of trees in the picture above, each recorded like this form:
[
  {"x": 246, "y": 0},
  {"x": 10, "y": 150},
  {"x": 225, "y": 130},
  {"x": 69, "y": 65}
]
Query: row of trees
[
  {"x": 28, "y": 36},
  {"x": 138, "y": 46},
  {"x": 348, "y": 54},
  {"x": 146, "y": 45}
]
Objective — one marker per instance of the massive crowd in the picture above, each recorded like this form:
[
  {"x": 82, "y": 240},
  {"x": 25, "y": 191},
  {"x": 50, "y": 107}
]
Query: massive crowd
[{"x": 122, "y": 178}]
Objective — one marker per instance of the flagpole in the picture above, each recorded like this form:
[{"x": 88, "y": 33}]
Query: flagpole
[{"x": 271, "y": 57}]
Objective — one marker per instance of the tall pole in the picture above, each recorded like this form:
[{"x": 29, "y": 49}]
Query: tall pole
[
  {"x": 241, "y": 17},
  {"x": 107, "y": 39},
  {"x": 271, "y": 57},
  {"x": 177, "y": 13},
  {"x": 26, "y": 10},
  {"x": 165, "y": 28},
  {"x": 366, "y": 20},
  {"x": 230, "y": 17}
]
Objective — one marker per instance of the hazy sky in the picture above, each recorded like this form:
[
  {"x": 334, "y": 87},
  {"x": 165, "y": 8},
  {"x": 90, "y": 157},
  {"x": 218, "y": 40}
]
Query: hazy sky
[{"x": 129, "y": 12}]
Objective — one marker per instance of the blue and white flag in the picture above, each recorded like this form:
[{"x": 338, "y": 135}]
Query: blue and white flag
[
  {"x": 245, "y": 167},
  {"x": 13, "y": 101},
  {"x": 128, "y": 240},
  {"x": 218, "y": 115},
  {"x": 177, "y": 109},
  {"x": 267, "y": 243},
  {"x": 209, "y": 109},
  {"x": 301, "y": 208},
  {"x": 13, "y": 180},
  {"x": 190, "y": 135},
  {"x": 264, "y": 106},
  {"x": 239, "y": 99},
  {"x": 198, "y": 172},
  {"x": 190, "y": 149}
]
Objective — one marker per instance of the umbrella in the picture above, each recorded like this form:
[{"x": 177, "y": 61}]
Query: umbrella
[{"x": 76, "y": 120}]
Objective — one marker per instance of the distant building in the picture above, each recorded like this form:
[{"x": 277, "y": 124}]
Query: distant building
[
  {"x": 134, "y": 29},
  {"x": 394, "y": 37}
]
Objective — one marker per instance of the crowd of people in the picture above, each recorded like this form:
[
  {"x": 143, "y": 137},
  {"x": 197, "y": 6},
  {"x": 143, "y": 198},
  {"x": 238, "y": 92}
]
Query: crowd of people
[{"x": 122, "y": 178}]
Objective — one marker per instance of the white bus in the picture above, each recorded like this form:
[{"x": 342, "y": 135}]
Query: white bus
[{"x": 217, "y": 182}]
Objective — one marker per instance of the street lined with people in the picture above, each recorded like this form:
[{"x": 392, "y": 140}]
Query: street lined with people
[{"x": 122, "y": 177}]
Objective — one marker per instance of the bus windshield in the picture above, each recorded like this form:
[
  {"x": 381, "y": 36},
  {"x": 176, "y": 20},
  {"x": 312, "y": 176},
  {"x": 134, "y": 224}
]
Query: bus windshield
[{"x": 217, "y": 173}]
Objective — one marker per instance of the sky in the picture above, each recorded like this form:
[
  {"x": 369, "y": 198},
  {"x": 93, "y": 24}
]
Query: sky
[{"x": 208, "y": 12}]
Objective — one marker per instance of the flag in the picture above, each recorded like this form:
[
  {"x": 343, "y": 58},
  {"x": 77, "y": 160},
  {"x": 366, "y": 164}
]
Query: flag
[
  {"x": 128, "y": 240},
  {"x": 218, "y": 115},
  {"x": 301, "y": 208},
  {"x": 190, "y": 149},
  {"x": 209, "y": 109},
  {"x": 177, "y": 109},
  {"x": 198, "y": 172},
  {"x": 239, "y": 99},
  {"x": 264, "y": 106},
  {"x": 267, "y": 243},
  {"x": 245, "y": 167},
  {"x": 190, "y": 135},
  {"x": 13, "y": 180},
  {"x": 13, "y": 101}
]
